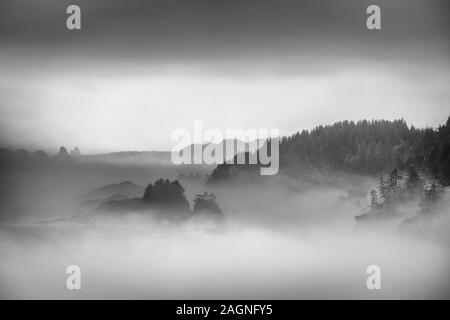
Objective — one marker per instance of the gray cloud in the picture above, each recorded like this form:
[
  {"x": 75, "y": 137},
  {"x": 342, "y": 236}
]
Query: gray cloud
[
  {"x": 199, "y": 29},
  {"x": 145, "y": 61}
]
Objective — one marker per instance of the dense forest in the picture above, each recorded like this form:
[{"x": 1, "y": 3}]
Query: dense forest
[{"x": 363, "y": 147}]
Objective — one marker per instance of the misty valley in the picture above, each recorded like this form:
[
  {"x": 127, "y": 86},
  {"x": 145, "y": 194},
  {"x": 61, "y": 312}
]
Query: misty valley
[
  {"x": 196, "y": 153},
  {"x": 347, "y": 196}
]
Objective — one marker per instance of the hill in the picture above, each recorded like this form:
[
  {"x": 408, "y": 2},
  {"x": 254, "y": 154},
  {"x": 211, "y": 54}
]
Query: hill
[
  {"x": 363, "y": 147},
  {"x": 125, "y": 188}
]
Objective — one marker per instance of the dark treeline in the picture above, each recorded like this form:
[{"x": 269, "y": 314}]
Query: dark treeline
[
  {"x": 371, "y": 147},
  {"x": 363, "y": 147},
  {"x": 166, "y": 198}
]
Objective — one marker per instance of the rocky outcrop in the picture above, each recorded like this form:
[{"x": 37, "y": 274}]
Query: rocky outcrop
[
  {"x": 75, "y": 152},
  {"x": 63, "y": 153},
  {"x": 166, "y": 195},
  {"x": 205, "y": 204},
  {"x": 164, "y": 199}
]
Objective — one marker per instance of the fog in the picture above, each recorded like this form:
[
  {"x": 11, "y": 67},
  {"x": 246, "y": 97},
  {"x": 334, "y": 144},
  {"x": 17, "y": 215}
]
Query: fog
[
  {"x": 287, "y": 239},
  {"x": 138, "y": 71},
  {"x": 148, "y": 262}
]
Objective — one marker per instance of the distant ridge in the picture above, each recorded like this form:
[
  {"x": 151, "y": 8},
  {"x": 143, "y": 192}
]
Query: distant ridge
[
  {"x": 130, "y": 157},
  {"x": 124, "y": 188}
]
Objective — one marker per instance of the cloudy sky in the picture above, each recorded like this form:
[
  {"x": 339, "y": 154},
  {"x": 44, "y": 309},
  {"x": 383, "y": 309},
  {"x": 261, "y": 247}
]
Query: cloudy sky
[{"x": 140, "y": 69}]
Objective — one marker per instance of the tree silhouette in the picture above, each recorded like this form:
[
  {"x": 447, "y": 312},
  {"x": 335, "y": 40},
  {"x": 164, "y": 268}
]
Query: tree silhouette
[{"x": 365, "y": 147}]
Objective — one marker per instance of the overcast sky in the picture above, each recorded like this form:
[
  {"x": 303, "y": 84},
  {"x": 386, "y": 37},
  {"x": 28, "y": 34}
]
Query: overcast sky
[{"x": 140, "y": 69}]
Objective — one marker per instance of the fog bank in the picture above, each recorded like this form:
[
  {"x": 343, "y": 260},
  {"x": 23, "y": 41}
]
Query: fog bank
[{"x": 155, "y": 262}]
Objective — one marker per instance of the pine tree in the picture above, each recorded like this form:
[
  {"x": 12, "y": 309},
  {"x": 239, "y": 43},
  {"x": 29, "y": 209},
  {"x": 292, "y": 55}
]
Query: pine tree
[
  {"x": 383, "y": 190},
  {"x": 395, "y": 180},
  {"x": 374, "y": 199},
  {"x": 413, "y": 181},
  {"x": 431, "y": 198}
]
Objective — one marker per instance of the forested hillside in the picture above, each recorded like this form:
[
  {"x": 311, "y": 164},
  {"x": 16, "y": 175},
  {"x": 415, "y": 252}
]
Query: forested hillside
[{"x": 363, "y": 147}]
